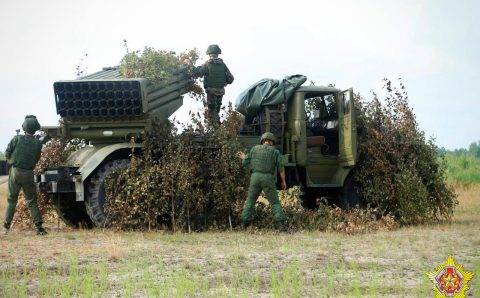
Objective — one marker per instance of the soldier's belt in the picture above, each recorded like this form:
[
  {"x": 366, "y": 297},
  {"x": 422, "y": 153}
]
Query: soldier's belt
[{"x": 263, "y": 172}]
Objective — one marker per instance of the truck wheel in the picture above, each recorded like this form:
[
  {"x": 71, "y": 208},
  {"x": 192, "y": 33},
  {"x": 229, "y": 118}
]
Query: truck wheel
[
  {"x": 95, "y": 190},
  {"x": 309, "y": 197},
  {"x": 72, "y": 213},
  {"x": 349, "y": 195}
]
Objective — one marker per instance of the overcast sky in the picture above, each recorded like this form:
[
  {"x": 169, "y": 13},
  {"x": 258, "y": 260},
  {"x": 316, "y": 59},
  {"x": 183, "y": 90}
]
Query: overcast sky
[{"x": 433, "y": 45}]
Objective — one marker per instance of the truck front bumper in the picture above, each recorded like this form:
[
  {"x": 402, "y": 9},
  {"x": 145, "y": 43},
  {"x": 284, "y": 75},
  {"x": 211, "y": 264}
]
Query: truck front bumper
[{"x": 57, "y": 180}]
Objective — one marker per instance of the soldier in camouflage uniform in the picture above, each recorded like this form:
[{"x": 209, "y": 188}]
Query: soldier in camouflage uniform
[
  {"x": 264, "y": 160},
  {"x": 23, "y": 153},
  {"x": 216, "y": 76}
]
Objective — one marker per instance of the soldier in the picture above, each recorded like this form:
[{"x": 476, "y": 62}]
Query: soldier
[
  {"x": 265, "y": 160},
  {"x": 216, "y": 76},
  {"x": 23, "y": 153}
]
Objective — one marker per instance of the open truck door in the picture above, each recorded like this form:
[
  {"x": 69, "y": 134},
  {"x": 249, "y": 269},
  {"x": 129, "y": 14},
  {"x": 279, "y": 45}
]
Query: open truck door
[{"x": 347, "y": 129}]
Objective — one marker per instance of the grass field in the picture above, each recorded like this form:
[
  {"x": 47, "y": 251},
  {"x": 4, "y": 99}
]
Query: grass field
[
  {"x": 100, "y": 263},
  {"x": 463, "y": 169}
]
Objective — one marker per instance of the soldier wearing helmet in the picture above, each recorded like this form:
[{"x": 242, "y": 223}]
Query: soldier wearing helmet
[
  {"x": 264, "y": 161},
  {"x": 23, "y": 153},
  {"x": 216, "y": 76}
]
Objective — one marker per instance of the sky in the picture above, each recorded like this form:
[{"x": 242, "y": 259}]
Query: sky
[{"x": 434, "y": 46}]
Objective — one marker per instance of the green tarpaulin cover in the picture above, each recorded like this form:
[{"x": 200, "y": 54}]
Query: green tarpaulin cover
[{"x": 267, "y": 92}]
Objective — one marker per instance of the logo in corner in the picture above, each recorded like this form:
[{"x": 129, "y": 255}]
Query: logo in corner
[{"x": 450, "y": 279}]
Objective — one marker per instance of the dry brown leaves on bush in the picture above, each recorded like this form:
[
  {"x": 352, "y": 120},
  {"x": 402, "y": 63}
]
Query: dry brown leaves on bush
[
  {"x": 325, "y": 218},
  {"x": 54, "y": 153},
  {"x": 357, "y": 221},
  {"x": 398, "y": 169},
  {"x": 188, "y": 181}
]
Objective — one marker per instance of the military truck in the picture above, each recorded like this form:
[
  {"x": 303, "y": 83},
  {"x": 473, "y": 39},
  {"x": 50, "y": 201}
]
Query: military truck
[{"x": 315, "y": 131}]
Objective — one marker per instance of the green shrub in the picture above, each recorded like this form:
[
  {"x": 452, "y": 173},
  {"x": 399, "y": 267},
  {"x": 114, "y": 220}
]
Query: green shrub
[
  {"x": 160, "y": 66},
  {"x": 398, "y": 168}
]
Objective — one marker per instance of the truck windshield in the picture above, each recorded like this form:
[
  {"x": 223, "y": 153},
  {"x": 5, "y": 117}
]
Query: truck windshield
[
  {"x": 322, "y": 121},
  {"x": 320, "y": 107}
]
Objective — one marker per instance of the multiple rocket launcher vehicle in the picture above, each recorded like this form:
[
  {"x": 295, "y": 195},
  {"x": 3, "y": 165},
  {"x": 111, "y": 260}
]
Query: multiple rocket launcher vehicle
[{"x": 112, "y": 114}]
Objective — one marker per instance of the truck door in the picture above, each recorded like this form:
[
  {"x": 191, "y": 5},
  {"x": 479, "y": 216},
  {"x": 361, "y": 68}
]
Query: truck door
[{"x": 347, "y": 129}]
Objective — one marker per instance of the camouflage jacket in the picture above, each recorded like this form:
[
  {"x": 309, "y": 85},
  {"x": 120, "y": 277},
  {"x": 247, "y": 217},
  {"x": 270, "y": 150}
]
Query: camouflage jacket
[
  {"x": 23, "y": 152},
  {"x": 264, "y": 159}
]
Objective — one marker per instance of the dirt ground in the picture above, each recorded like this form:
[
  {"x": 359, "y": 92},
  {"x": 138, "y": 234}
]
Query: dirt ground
[{"x": 259, "y": 263}]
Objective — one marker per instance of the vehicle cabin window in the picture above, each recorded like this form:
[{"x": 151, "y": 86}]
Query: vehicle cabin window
[
  {"x": 322, "y": 122},
  {"x": 320, "y": 107}
]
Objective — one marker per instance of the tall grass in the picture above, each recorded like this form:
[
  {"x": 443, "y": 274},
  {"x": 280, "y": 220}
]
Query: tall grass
[
  {"x": 3, "y": 199},
  {"x": 464, "y": 169}
]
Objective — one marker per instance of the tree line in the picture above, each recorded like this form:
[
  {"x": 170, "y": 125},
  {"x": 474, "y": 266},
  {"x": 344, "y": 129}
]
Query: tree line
[{"x": 473, "y": 151}]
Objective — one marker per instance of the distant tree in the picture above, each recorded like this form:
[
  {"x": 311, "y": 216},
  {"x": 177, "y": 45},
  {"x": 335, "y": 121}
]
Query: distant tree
[
  {"x": 442, "y": 151},
  {"x": 2, "y": 155},
  {"x": 474, "y": 149},
  {"x": 458, "y": 152}
]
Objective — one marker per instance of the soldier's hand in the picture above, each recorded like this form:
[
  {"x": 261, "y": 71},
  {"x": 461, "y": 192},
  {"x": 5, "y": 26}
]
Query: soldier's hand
[
  {"x": 39, "y": 134},
  {"x": 242, "y": 155}
]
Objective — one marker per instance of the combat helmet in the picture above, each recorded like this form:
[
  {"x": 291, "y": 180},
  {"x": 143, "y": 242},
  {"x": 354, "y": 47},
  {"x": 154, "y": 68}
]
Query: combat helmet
[
  {"x": 30, "y": 124},
  {"x": 214, "y": 49},
  {"x": 267, "y": 136}
]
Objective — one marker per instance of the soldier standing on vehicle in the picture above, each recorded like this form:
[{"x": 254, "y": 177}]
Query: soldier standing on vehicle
[
  {"x": 216, "y": 76},
  {"x": 23, "y": 153},
  {"x": 264, "y": 160}
]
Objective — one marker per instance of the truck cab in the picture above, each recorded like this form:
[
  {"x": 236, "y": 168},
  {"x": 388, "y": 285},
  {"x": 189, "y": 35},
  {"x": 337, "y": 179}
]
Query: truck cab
[{"x": 316, "y": 133}]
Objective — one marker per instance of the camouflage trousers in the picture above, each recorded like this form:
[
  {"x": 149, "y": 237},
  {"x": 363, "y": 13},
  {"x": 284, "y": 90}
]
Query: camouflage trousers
[
  {"x": 214, "y": 103},
  {"x": 20, "y": 179},
  {"x": 265, "y": 182}
]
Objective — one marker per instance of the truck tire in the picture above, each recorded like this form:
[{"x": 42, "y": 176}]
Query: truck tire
[
  {"x": 349, "y": 195},
  {"x": 308, "y": 197},
  {"x": 72, "y": 213},
  {"x": 95, "y": 190}
]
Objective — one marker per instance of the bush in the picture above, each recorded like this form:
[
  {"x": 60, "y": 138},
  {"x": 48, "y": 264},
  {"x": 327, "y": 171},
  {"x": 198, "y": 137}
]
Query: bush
[
  {"x": 325, "y": 217},
  {"x": 398, "y": 168},
  {"x": 160, "y": 66},
  {"x": 54, "y": 153},
  {"x": 183, "y": 181}
]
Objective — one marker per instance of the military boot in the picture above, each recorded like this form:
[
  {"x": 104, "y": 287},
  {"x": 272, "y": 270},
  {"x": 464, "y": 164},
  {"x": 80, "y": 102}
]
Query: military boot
[
  {"x": 41, "y": 231},
  {"x": 244, "y": 225}
]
